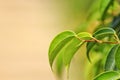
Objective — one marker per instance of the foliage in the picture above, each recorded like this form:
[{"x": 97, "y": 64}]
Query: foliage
[{"x": 104, "y": 41}]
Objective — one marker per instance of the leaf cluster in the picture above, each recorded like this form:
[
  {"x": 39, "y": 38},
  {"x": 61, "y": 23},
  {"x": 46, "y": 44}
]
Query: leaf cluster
[{"x": 104, "y": 41}]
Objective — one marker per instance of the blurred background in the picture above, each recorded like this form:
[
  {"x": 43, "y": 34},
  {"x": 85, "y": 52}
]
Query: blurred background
[{"x": 26, "y": 30}]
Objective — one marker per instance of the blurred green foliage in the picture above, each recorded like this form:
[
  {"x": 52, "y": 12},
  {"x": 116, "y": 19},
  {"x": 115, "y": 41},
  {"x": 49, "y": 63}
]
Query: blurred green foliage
[{"x": 91, "y": 16}]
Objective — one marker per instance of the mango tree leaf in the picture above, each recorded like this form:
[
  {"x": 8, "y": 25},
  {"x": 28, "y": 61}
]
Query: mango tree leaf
[
  {"x": 58, "y": 43},
  {"x": 111, "y": 75},
  {"x": 99, "y": 34},
  {"x": 110, "y": 61},
  {"x": 117, "y": 57}
]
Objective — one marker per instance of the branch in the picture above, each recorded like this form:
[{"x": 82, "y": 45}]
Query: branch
[{"x": 99, "y": 41}]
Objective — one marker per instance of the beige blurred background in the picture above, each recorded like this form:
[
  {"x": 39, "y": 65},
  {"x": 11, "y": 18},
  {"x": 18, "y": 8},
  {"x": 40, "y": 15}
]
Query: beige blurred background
[{"x": 26, "y": 29}]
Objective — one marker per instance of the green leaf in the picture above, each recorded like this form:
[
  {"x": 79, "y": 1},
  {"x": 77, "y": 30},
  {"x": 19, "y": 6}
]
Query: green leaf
[
  {"x": 104, "y": 31},
  {"x": 111, "y": 75},
  {"x": 58, "y": 66},
  {"x": 89, "y": 46},
  {"x": 71, "y": 48},
  {"x": 84, "y": 35},
  {"x": 110, "y": 61},
  {"x": 59, "y": 38},
  {"x": 99, "y": 34},
  {"x": 117, "y": 57},
  {"x": 58, "y": 43},
  {"x": 68, "y": 52},
  {"x": 64, "y": 46}
]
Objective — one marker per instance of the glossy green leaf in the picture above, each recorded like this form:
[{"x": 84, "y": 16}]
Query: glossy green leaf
[
  {"x": 111, "y": 75},
  {"x": 117, "y": 57},
  {"x": 84, "y": 35},
  {"x": 99, "y": 34},
  {"x": 110, "y": 61},
  {"x": 71, "y": 48},
  {"x": 58, "y": 43},
  {"x": 104, "y": 31},
  {"x": 66, "y": 43},
  {"x": 59, "y": 38},
  {"x": 89, "y": 46},
  {"x": 58, "y": 66}
]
